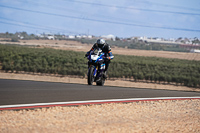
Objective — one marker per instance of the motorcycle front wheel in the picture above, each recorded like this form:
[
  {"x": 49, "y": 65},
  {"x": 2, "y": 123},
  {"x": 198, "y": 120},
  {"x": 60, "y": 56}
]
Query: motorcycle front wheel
[{"x": 91, "y": 75}]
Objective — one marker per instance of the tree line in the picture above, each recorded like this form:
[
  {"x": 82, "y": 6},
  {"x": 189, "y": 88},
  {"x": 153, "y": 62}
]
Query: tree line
[
  {"x": 150, "y": 69},
  {"x": 139, "y": 44},
  {"x": 154, "y": 69}
]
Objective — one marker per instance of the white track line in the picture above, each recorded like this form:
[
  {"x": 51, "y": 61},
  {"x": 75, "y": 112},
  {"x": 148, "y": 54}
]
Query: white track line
[{"x": 35, "y": 105}]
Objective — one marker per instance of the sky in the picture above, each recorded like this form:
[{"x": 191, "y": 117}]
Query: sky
[{"x": 122, "y": 18}]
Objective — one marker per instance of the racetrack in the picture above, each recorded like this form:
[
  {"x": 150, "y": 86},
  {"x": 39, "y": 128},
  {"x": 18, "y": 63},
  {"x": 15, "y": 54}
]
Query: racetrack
[
  {"x": 28, "y": 92},
  {"x": 164, "y": 115}
]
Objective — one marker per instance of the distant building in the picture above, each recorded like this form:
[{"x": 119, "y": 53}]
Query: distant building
[
  {"x": 171, "y": 39},
  {"x": 195, "y": 51},
  {"x": 51, "y": 37},
  {"x": 143, "y": 38},
  {"x": 109, "y": 37},
  {"x": 90, "y": 36},
  {"x": 83, "y": 36},
  {"x": 78, "y": 36},
  {"x": 20, "y": 37},
  {"x": 71, "y": 37}
]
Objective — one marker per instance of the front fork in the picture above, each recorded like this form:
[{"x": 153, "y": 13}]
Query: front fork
[{"x": 95, "y": 70}]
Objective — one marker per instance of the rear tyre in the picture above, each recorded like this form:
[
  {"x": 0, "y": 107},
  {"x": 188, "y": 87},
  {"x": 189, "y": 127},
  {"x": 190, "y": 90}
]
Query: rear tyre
[
  {"x": 91, "y": 75},
  {"x": 101, "y": 82}
]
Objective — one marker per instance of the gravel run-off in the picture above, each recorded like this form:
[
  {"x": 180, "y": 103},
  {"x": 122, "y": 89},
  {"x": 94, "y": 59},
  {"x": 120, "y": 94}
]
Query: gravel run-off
[{"x": 145, "y": 116}]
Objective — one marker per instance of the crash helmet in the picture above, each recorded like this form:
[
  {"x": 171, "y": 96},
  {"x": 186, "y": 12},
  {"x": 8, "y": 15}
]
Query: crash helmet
[{"x": 100, "y": 43}]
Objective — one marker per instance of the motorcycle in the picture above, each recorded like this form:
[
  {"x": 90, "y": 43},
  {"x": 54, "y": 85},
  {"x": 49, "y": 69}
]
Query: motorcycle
[{"x": 96, "y": 67}]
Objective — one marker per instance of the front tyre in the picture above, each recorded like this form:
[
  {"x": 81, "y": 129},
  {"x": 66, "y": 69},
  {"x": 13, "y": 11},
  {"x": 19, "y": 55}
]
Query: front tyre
[{"x": 91, "y": 75}]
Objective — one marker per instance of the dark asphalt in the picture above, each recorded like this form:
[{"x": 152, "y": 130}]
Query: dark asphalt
[{"x": 27, "y": 92}]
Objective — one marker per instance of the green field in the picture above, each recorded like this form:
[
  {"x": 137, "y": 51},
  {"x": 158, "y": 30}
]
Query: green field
[{"x": 151, "y": 69}]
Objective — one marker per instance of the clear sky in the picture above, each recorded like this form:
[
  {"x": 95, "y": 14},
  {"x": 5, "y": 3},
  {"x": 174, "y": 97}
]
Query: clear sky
[{"x": 122, "y": 18}]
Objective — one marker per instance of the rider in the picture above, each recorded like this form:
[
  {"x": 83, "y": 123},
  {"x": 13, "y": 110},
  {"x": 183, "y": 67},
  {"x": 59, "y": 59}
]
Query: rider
[{"x": 101, "y": 43}]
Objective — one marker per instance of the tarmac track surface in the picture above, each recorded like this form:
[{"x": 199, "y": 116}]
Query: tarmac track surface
[{"x": 27, "y": 92}]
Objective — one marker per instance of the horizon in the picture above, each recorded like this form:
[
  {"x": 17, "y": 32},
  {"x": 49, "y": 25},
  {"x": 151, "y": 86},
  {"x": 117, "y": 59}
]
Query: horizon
[{"x": 101, "y": 36}]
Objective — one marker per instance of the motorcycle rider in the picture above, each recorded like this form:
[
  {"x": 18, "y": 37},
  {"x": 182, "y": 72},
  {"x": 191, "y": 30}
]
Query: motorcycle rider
[{"x": 101, "y": 43}]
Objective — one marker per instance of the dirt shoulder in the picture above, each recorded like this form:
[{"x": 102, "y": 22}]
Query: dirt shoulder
[
  {"x": 155, "y": 116},
  {"x": 67, "y": 79},
  {"x": 77, "y": 46}
]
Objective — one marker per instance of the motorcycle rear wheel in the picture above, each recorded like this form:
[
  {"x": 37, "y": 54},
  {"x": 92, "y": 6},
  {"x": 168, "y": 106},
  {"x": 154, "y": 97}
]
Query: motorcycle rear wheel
[{"x": 101, "y": 82}]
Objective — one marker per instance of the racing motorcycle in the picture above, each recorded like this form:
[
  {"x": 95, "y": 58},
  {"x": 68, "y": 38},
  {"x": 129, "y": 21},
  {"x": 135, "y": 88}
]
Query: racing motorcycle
[{"x": 96, "y": 67}]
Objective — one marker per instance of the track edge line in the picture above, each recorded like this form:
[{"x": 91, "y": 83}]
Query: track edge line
[{"x": 89, "y": 102}]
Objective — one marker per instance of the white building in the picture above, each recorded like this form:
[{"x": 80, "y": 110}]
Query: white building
[
  {"x": 90, "y": 36},
  {"x": 110, "y": 37},
  {"x": 20, "y": 37},
  {"x": 51, "y": 37},
  {"x": 195, "y": 51},
  {"x": 71, "y": 37},
  {"x": 78, "y": 36}
]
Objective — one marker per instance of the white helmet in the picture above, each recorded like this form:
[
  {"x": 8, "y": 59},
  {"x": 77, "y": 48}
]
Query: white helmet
[{"x": 101, "y": 42}]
